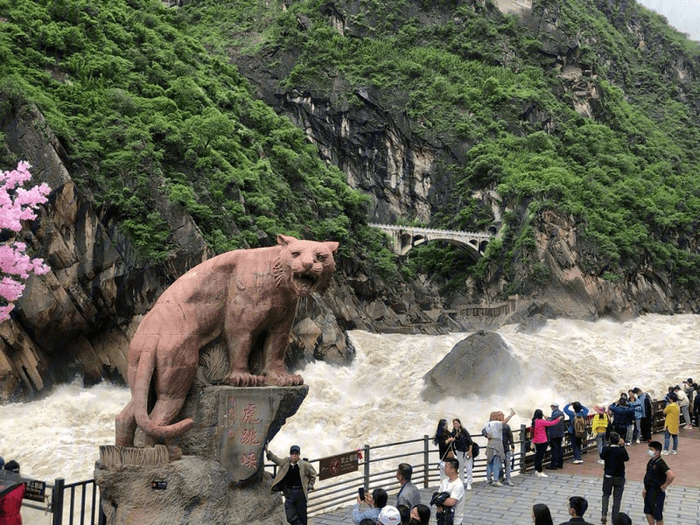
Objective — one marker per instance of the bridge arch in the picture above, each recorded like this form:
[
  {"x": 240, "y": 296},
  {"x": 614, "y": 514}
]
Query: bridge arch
[{"x": 406, "y": 237}]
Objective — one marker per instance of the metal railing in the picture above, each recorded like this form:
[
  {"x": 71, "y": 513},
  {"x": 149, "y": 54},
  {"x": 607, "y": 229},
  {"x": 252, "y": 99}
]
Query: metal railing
[
  {"x": 76, "y": 513},
  {"x": 80, "y": 502},
  {"x": 378, "y": 470}
]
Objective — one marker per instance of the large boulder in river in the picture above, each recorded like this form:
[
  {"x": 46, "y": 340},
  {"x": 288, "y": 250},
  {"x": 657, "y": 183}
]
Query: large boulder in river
[{"x": 481, "y": 364}]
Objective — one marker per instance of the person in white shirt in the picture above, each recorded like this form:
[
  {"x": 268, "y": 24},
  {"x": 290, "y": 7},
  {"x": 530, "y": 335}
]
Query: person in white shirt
[
  {"x": 684, "y": 403},
  {"x": 455, "y": 488}
]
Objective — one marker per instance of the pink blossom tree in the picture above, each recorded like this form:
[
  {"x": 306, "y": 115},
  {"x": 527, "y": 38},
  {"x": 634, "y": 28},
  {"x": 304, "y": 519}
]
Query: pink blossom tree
[{"x": 17, "y": 204}]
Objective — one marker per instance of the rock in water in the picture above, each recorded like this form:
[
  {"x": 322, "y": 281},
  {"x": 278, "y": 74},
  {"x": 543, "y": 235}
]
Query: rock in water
[{"x": 480, "y": 364}]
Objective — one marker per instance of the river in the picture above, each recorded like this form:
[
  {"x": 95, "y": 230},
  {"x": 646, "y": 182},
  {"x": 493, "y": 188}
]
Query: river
[{"x": 377, "y": 399}]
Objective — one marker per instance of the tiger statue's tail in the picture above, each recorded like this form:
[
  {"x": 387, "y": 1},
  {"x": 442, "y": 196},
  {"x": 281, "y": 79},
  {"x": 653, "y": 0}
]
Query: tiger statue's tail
[{"x": 142, "y": 384}]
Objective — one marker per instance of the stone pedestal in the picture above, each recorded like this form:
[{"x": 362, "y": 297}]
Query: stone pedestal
[
  {"x": 192, "y": 491},
  {"x": 220, "y": 479}
]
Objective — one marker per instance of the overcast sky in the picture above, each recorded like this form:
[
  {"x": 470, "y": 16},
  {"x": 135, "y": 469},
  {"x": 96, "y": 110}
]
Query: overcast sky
[{"x": 684, "y": 15}]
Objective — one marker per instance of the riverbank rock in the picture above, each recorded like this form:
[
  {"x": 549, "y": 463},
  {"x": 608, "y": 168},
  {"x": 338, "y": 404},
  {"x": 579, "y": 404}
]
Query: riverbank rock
[{"x": 480, "y": 364}]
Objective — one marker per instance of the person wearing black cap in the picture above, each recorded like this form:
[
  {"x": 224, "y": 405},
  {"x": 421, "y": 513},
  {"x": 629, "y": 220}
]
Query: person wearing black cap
[
  {"x": 295, "y": 478},
  {"x": 555, "y": 435}
]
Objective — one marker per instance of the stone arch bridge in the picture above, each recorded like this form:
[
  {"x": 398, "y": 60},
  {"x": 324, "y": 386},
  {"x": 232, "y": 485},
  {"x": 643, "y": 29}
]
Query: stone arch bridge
[{"x": 406, "y": 237}]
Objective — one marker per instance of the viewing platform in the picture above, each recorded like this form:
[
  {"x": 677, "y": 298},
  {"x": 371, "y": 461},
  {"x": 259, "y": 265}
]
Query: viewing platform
[{"x": 488, "y": 505}]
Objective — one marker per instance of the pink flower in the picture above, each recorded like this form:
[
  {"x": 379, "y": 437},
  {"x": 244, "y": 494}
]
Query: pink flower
[{"x": 17, "y": 204}]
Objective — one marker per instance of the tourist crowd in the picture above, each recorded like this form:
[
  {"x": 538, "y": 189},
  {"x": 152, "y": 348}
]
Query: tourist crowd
[{"x": 622, "y": 423}]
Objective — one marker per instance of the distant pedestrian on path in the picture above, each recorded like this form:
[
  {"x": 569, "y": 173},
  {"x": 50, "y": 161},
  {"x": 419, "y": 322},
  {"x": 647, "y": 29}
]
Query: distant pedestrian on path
[
  {"x": 445, "y": 449},
  {"x": 555, "y": 434},
  {"x": 672, "y": 423},
  {"x": 656, "y": 480},
  {"x": 577, "y": 427},
  {"x": 509, "y": 449},
  {"x": 684, "y": 404},
  {"x": 461, "y": 442},
  {"x": 647, "y": 415},
  {"x": 539, "y": 438},
  {"x": 599, "y": 428},
  {"x": 577, "y": 508},
  {"x": 623, "y": 419},
  {"x": 495, "y": 454},
  {"x": 614, "y": 456}
]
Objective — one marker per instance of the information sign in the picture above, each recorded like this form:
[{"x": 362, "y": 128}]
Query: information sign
[{"x": 333, "y": 466}]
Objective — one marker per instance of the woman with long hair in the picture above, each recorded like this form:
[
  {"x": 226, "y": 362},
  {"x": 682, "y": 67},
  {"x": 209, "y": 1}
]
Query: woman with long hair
[
  {"x": 462, "y": 444},
  {"x": 541, "y": 514},
  {"x": 420, "y": 515},
  {"x": 442, "y": 435},
  {"x": 539, "y": 438}
]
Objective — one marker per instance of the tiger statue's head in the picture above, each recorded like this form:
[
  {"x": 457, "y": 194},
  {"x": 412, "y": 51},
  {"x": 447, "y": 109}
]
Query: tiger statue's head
[{"x": 307, "y": 266}]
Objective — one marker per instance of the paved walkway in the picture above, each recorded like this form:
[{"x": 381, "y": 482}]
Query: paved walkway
[{"x": 488, "y": 505}]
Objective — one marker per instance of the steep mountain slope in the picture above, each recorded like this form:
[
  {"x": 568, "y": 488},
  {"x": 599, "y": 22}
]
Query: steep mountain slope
[
  {"x": 571, "y": 128},
  {"x": 585, "y": 112}
]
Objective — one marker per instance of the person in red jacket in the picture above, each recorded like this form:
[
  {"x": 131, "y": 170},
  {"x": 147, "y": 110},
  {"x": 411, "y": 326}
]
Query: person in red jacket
[{"x": 11, "y": 503}]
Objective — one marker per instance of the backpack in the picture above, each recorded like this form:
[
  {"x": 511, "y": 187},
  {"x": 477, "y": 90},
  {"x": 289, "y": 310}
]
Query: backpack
[
  {"x": 579, "y": 426},
  {"x": 475, "y": 449}
]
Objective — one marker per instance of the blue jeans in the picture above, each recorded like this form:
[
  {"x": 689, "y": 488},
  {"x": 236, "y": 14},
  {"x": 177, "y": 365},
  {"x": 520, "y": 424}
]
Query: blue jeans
[
  {"x": 507, "y": 466},
  {"x": 576, "y": 445},
  {"x": 600, "y": 442},
  {"x": 667, "y": 439},
  {"x": 557, "y": 452},
  {"x": 493, "y": 468}
]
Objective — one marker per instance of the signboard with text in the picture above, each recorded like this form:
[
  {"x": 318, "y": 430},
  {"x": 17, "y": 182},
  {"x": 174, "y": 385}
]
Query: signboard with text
[
  {"x": 244, "y": 419},
  {"x": 333, "y": 466},
  {"x": 36, "y": 490}
]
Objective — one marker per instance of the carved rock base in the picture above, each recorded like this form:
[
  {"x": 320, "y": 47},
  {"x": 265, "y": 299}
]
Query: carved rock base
[
  {"x": 221, "y": 478},
  {"x": 192, "y": 491},
  {"x": 232, "y": 424}
]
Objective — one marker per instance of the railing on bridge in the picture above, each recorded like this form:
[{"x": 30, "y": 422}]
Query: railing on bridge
[{"x": 406, "y": 237}]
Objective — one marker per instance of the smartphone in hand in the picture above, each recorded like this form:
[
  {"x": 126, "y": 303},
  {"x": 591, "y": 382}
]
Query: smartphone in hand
[{"x": 361, "y": 492}]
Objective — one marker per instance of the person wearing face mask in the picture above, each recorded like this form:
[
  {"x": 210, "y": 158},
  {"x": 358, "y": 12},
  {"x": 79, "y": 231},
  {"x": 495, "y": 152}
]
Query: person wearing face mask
[{"x": 656, "y": 480}]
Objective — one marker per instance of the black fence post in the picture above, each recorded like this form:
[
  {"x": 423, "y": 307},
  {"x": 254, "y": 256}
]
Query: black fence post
[
  {"x": 57, "y": 501},
  {"x": 426, "y": 461},
  {"x": 523, "y": 447},
  {"x": 367, "y": 473}
]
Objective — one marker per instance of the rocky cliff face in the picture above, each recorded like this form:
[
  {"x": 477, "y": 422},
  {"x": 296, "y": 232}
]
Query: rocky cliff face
[
  {"x": 79, "y": 318},
  {"x": 385, "y": 156},
  {"x": 579, "y": 288}
]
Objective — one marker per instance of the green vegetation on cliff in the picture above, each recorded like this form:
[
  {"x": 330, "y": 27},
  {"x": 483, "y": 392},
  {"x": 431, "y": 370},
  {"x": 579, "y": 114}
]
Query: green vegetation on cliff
[
  {"x": 150, "y": 109},
  {"x": 462, "y": 71},
  {"x": 148, "y": 115}
]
